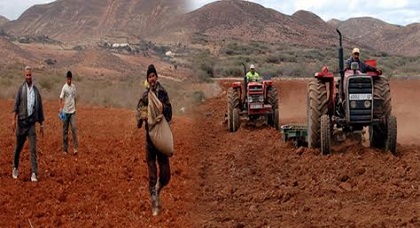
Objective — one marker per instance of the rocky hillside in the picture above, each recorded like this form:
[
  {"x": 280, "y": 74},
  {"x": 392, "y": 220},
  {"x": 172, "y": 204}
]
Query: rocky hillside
[
  {"x": 250, "y": 21},
  {"x": 80, "y": 20}
]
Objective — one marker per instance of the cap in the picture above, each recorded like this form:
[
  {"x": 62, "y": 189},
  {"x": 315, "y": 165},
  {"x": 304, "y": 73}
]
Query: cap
[
  {"x": 28, "y": 70},
  {"x": 252, "y": 66},
  {"x": 355, "y": 50}
]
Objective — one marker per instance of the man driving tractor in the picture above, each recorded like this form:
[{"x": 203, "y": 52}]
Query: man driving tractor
[
  {"x": 362, "y": 66},
  {"x": 252, "y": 75}
]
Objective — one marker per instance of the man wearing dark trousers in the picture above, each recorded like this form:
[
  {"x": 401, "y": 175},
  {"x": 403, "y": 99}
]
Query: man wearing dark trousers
[
  {"x": 152, "y": 153},
  {"x": 27, "y": 110},
  {"x": 68, "y": 107}
]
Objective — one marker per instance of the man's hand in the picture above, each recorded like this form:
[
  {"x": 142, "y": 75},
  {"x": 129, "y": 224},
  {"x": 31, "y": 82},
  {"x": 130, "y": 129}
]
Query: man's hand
[
  {"x": 14, "y": 125},
  {"x": 41, "y": 130},
  {"x": 160, "y": 108},
  {"x": 143, "y": 115}
]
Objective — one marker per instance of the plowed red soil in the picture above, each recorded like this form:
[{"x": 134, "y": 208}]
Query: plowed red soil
[{"x": 250, "y": 178}]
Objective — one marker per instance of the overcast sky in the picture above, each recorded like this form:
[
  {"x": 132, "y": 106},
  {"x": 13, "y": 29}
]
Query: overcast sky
[{"x": 401, "y": 12}]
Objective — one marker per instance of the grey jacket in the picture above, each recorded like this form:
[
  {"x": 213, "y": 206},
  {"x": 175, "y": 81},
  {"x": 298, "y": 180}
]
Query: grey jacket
[{"x": 21, "y": 104}]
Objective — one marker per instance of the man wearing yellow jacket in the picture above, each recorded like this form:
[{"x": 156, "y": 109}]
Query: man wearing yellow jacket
[{"x": 252, "y": 75}]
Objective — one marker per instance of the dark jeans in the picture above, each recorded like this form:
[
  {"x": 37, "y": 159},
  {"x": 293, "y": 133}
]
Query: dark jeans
[
  {"x": 21, "y": 134},
  {"x": 164, "y": 169},
  {"x": 70, "y": 120}
]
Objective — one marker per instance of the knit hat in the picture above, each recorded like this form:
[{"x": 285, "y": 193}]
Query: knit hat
[
  {"x": 69, "y": 74},
  {"x": 151, "y": 69}
]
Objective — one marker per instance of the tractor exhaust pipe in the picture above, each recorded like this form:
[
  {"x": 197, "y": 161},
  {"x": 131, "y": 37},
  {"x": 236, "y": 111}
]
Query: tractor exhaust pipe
[
  {"x": 341, "y": 65},
  {"x": 245, "y": 83}
]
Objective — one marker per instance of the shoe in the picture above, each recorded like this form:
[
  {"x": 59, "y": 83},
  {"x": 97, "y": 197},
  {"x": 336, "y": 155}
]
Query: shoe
[
  {"x": 64, "y": 152},
  {"x": 75, "y": 151},
  {"x": 155, "y": 211},
  {"x": 15, "y": 173},
  {"x": 33, "y": 177},
  {"x": 155, "y": 204}
]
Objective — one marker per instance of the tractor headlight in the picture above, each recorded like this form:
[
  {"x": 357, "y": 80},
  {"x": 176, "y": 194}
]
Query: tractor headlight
[
  {"x": 367, "y": 104},
  {"x": 353, "y": 104},
  {"x": 250, "y": 99},
  {"x": 261, "y": 98}
]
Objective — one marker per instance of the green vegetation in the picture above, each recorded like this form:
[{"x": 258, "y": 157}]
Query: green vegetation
[
  {"x": 120, "y": 93},
  {"x": 280, "y": 60}
]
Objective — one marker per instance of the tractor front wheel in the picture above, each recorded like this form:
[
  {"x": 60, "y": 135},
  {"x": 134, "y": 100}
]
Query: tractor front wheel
[{"x": 233, "y": 104}]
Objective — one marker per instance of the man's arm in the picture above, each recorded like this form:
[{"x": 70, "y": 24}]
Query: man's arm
[
  {"x": 14, "y": 121},
  {"x": 40, "y": 113},
  {"x": 16, "y": 108},
  {"x": 61, "y": 100},
  {"x": 61, "y": 103},
  {"x": 369, "y": 67}
]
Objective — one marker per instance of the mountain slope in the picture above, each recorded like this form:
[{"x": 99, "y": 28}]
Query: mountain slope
[
  {"x": 242, "y": 20},
  {"x": 75, "y": 20},
  {"x": 381, "y": 36}
]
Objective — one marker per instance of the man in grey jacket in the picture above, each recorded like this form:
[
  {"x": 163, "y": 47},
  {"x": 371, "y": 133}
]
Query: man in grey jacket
[{"x": 27, "y": 110}]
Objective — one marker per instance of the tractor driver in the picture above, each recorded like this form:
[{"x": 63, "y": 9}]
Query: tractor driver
[
  {"x": 362, "y": 66},
  {"x": 252, "y": 75}
]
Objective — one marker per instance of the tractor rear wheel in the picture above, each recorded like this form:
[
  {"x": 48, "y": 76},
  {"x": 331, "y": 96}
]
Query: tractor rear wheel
[
  {"x": 233, "y": 104},
  {"x": 391, "y": 140},
  {"x": 325, "y": 135},
  {"x": 273, "y": 99},
  {"x": 316, "y": 106},
  {"x": 381, "y": 110}
]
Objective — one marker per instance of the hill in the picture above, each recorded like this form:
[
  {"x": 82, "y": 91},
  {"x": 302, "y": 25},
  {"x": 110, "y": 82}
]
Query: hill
[{"x": 87, "y": 21}]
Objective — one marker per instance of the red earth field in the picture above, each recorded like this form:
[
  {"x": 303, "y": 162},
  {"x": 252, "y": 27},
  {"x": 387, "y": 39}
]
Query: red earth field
[{"x": 250, "y": 178}]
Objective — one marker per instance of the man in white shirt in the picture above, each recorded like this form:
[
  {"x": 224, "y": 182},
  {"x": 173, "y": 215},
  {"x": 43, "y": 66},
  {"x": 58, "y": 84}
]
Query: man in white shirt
[
  {"x": 68, "y": 107},
  {"x": 27, "y": 111}
]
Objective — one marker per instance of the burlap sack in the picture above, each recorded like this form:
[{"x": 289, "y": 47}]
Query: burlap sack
[{"x": 159, "y": 130}]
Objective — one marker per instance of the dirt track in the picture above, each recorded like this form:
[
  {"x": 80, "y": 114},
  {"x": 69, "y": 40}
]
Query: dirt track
[{"x": 245, "y": 179}]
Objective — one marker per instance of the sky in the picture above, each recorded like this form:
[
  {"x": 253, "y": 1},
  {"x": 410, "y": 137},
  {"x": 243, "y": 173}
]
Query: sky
[{"x": 401, "y": 12}]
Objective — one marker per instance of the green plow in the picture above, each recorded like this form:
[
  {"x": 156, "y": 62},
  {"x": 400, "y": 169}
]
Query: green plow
[{"x": 296, "y": 133}]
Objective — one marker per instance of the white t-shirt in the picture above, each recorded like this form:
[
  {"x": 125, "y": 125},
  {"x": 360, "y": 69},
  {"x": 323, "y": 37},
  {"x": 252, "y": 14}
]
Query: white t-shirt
[{"x": 68, "y": 93}]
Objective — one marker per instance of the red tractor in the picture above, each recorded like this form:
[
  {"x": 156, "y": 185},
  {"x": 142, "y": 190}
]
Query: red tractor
[
  {"x": 351, "y": 103},
  {"x": 251, "y": 101}
]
